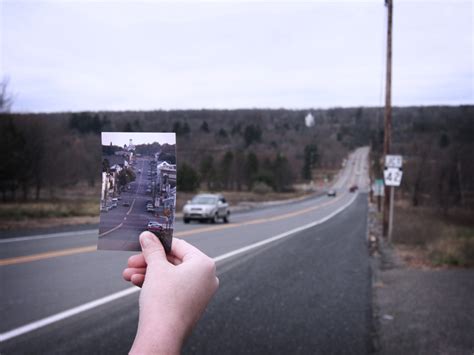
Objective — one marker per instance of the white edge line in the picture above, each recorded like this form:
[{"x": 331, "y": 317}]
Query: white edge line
[
  {"x": 285, "y": 234},
  {"x": 44, "y": 236},
  {"x": 114, "y": 296},
  {"x": 66, "y": 314}
]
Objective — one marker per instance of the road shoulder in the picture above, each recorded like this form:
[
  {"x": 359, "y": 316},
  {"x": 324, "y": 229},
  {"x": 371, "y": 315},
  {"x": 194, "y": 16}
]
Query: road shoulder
[{"x": 420, "y": 311}]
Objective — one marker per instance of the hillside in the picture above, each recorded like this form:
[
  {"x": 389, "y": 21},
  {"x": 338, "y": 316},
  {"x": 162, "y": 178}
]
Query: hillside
[{"x": 235, "y": 149}]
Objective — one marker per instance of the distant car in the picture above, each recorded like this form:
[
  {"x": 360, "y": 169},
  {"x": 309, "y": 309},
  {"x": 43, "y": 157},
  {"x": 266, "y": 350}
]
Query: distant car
[
  {"x": 206, "y": 207},
  {"x": 126, "y": 204},
  {"x": 150, "y": 208},
  {"x": 331, "y": 193},
  {"x": 353, "y": 188}
]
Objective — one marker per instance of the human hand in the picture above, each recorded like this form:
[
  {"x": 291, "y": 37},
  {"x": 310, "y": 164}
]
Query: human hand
[{"x": 176, "y": 289}]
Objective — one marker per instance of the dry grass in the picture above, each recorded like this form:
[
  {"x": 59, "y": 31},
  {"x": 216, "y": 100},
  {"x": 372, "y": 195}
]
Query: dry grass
[
  {"x": 426, "y": 237},
  {"x": 66, "y": 206},
  {"x": 47, "y": 222},
  {"x": 49, "y": 209},
  {"x": 456, "y": 247}
]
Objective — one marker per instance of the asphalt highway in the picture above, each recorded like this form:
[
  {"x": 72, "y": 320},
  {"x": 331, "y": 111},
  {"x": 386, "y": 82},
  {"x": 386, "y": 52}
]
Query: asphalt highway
[{"x": 294, "y": 278}]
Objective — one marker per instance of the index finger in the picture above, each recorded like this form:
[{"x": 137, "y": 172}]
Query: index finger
[{"x": 136, "y": 261}]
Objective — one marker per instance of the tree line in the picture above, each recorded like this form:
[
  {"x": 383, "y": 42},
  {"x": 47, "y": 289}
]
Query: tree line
[{"x": 253, "y": 149}]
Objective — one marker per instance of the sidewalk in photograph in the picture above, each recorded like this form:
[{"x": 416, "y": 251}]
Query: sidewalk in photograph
[{"x": 420, "y": 311}]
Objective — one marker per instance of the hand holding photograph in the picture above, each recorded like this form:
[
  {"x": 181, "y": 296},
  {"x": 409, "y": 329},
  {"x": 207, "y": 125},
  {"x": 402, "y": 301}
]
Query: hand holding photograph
[{"x": 138, "y": 189}]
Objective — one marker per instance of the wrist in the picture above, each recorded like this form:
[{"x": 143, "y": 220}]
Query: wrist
[{"x": 153, "y": 338}]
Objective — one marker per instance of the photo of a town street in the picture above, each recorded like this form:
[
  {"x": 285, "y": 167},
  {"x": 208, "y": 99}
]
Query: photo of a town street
[{"x": 138, "y": 189}]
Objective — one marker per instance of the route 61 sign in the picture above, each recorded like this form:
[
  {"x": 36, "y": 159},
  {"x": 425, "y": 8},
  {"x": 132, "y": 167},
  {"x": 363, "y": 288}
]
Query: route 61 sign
[{"x": 392, "y": 176}]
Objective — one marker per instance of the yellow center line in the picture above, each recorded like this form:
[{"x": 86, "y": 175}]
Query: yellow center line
[
  {"x": 255, "y": 221},
  {"x": 52, "y": 254},
  {"x": 111, "y": 230},
  {"x": 131, "y": 207},
  {"x": 87, "y": 249}
]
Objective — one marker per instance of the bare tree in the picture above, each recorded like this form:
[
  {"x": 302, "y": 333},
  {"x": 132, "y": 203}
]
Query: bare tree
[{"x": 6, "y": 98}]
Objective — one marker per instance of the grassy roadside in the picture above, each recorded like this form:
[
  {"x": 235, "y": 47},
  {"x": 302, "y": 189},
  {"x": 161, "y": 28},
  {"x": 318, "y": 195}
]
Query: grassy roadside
[
  {"x": 48, "y": 209},
  {"x": 426, "y": 237},
  {"x": 48, "y": 213}
]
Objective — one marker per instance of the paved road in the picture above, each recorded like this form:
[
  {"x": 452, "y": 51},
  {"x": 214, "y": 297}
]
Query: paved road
[
  {"x": 120, "y": 227},
  {"x": 310, "y": 286}
]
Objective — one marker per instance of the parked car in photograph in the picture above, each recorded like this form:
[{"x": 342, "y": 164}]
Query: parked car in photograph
[
  {"x": 154, "y": 226},
  {"x": 353, "y": 188},
  {"x": 126, "y": 204},
  {"x": 104, "y": 208},
  {"x": 331, "y": 193},
  {"x": 206, "y": 207}
]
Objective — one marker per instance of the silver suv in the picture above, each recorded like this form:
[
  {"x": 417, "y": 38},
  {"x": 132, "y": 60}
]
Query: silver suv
[{"x": 206, "y": 207}]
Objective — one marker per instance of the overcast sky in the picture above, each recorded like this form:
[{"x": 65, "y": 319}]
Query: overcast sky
[
  {"x": 122, "y": 138},
  {"x": 128, "y": 55}
]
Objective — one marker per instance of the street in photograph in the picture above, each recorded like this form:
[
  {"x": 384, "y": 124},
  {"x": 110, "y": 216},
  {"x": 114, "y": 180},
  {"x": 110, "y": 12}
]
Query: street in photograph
[{"x": 138, "y": 189}]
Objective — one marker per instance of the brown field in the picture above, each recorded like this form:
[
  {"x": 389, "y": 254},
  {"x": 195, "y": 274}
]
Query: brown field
[{"x": 426, "y": 237}]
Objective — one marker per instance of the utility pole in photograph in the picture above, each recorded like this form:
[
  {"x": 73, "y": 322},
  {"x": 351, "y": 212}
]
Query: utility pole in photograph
[{"x": 388, "y": 111}]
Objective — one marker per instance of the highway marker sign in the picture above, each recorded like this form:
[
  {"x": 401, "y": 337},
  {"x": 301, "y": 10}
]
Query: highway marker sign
[
  {"x": 393, "y": 161},
  {"x": 392, "y": 176}
]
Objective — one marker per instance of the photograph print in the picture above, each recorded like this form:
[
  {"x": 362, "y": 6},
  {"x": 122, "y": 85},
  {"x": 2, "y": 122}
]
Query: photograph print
[{"x": 138, "y": 189}]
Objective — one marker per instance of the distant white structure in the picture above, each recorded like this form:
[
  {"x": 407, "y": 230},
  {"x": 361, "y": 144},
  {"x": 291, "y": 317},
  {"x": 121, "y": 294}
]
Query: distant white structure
[
  {"x": 130, "y": 146},
  {"x": 309, "y": 120}
]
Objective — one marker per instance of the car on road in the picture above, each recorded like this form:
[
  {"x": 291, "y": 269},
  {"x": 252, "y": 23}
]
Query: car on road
[
  {"x": 331, "y": 193},
  {"x": 150, "y": 208},
  {"x": 126, "y": 204},
  {"x": 353, "y": 188},
  {"x": 206, "y": 207}
]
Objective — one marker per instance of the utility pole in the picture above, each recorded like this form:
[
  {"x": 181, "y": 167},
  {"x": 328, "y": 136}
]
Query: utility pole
[{"x": 388, "y": 112}]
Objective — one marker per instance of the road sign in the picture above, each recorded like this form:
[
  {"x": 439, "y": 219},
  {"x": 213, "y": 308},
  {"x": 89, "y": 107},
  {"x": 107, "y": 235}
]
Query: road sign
[
  {"x": 393, "y": 161},
  {"x": 378, "y": 187},
  {"x": 392, "y": 176}
]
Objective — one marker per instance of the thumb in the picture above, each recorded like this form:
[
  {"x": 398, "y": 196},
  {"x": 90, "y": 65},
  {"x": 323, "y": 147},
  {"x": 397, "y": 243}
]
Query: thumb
[{"x": 152, "y": 248}]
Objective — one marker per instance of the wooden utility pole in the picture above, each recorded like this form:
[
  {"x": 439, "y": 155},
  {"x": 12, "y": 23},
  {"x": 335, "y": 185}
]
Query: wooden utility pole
[{"x": 388, "y": 111}]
